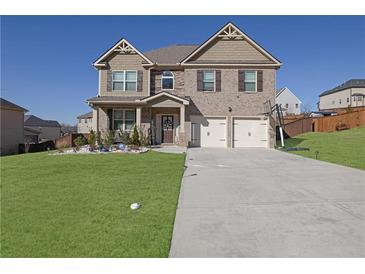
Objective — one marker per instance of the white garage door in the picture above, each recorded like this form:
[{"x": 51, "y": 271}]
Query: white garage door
[
  {"x": 250, "y": 133},
  {"x": 213, "y": 132}
]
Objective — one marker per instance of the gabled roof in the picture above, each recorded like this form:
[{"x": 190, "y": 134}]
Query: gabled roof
[
  {"x": 32, "y": 130},
  {"x": 352, "y": 83},
  {"x": 280, "y": 91},
  {"x": 184, "y": 101},
  {"x": 34, "y": 121},
  {"x": 122, "y": 46},
  {"x": 7, "y": 104},
  {"x": 85, "y": 115},
  {"x": 171, "y": 54},
  {"x": 235, "y": 31}
]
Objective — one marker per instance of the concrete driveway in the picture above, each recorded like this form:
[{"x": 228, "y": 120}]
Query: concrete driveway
[{"x": 266, "y": 203}]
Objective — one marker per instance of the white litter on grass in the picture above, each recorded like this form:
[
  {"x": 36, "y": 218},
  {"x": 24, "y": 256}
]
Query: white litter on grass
[
  {"x": 135, "y": 206},
  {"x": 221, "y": 166}
]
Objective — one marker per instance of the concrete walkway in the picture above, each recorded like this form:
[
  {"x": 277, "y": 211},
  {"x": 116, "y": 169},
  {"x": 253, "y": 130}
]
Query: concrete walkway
[
  {"x": 170, "y": 149},
  {"x": 266, "y": 203}
]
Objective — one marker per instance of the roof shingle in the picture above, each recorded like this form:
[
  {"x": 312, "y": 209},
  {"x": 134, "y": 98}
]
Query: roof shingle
[
  {"x": 353, "y": 83},
  {"x": 34, "y": 121},
  {"x": 171, "y": 54}
]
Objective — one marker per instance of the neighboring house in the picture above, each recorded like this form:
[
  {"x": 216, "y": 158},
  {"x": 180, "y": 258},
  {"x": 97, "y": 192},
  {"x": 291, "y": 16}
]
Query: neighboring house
[
  {"x": 31, "y": 136},
  {"x": 85, "y": 122},
  {"x": 349, "y": 94},
  {"x": 209, "y": 95},
  {"x": 290, "y": 103},
  {"x": 68, "y": 129},
  {"x": 12, "y": 126},
  {"x": 50, "y": 129}
]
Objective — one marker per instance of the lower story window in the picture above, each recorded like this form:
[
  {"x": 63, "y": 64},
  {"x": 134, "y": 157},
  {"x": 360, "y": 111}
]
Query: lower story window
[{"x": 123, "y": 119}]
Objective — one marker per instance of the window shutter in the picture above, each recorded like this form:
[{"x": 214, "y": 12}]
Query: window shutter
[
  {"x": 110, "y": 118},
  {"x": 140, "y": 81},
  {"x": 241, "y": 80},
  {"x": 199, "y": 80},
  {"x": 260, "y": 80},
  {"x": 218, "y": 82},
  {"x": 109, "y": 80}
]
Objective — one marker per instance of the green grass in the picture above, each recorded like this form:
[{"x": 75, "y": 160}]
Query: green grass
[
  {"x": 343, "y": 147},
  {"x": 78, "y": 205}
]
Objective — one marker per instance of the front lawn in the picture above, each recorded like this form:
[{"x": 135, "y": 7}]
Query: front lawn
[
  {"x": 78, "y": 205},
  {"x": 343, "y": 147}
]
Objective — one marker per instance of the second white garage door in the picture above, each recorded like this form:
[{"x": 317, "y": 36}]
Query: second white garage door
[
  {"x": 213, "y": 132},
  {"x": 250, "y": 133}
]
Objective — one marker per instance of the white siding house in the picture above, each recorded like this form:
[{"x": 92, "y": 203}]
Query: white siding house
[
  {"x": 349, "y": 94},
  {"x": 289, "y": 102}
]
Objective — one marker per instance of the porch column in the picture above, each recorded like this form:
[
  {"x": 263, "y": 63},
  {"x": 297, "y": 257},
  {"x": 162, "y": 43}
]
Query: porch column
[
  {"x": 138, "y": 116},
  {"x": 182, "y": 119}
]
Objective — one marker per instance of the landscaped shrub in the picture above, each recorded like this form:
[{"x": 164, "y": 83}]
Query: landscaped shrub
[
  {"x": 124, "y": 137},
  {"x": 135, "y": 137},
  {"x": 91, "y": 139},
  {"x": 80, "y": 141},
  {"x": 98, "y": 138},
  {"x": 144, "y": 138},
  {"x": 109, "y": 138}
]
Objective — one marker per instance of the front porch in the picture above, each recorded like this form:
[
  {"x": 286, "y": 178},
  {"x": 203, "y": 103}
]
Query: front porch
[{"x": 160, "y": 116}]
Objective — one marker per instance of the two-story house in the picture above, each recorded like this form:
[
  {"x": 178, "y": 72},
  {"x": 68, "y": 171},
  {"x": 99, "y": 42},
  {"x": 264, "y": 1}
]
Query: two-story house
[
  {"x": 350, "y": 94},
  {"x": 208, "y": 95},
  {"x": 290, "y": 103}
]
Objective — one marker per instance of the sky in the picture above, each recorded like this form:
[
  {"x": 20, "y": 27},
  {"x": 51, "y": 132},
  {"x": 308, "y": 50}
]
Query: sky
[{"x": 46, "y": 60}]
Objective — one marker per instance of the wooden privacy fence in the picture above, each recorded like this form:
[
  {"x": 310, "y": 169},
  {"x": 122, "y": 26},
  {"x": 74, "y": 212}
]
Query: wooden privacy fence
[
  {"x": 298, "y": 127},
  {"x": 68, "y": 140},
  {"x": 333, "y": 123},
  {"x": 325, "y": 124}
]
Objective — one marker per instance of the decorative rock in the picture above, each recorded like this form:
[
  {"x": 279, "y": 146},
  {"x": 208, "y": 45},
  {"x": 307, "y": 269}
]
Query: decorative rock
[{"x": 135, "y": 206}]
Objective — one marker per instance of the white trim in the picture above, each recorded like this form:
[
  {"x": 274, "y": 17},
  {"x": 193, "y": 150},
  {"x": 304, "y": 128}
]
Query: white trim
[
  {"x": 168, "y": 77},
  {"x": 148, "y": 82},
  {"x": 123, "y": 40},
  {"x": 244, "y": 81},
  {"x": 99, "y": 84},
  {"x": 123, "y": 118},
  {"x": 124, "y": 80},
  {"x": 249, "y": 40},
  {"x": 214, "y": 87},
  {"x": 232, "y": 65},
  {"x": 158, "y": 95}
]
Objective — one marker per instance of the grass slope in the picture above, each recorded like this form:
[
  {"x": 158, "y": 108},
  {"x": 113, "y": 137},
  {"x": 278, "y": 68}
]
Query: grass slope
[
  {"x": 78, "y": 205},
  {"x": 343, "y": 147}
]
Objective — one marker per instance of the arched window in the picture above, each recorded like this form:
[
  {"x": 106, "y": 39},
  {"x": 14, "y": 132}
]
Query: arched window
[{"x": 167, "y": 80}]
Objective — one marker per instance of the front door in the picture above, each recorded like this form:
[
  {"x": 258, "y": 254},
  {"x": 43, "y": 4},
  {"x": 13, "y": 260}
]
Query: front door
[{"x": 167, "y": 129}]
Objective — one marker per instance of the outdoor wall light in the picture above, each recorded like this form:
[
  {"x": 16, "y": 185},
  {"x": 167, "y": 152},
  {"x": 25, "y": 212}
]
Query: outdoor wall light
[{"x": 229, "y": 109}]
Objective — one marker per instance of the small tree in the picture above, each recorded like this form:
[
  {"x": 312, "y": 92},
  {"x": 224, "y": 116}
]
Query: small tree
[
  {"x": 109, "y": 138},
  {"x": 135, "y": 137},
  {"x": 124, "y": 137},
  {"x": 91, "y": 139},
  {"x": 144, "y": 138},
  {"x": 98, "y": 138},
  {"x": 80, "y": 141}
]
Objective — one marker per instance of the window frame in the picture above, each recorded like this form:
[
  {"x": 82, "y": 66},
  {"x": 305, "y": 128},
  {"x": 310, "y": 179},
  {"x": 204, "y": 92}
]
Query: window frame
[
  {"x": 244, "y": 81},
  {"x": 168, "y": 77},
  {"x": 124, "y": 80},
  {"x": 123, "y": 118},
  {"x": 214, "y": 80}
]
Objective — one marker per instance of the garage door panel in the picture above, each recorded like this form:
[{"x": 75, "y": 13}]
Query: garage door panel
[
  {"x": 213, "y": 132},
  {"x": 250, "y": 133}
]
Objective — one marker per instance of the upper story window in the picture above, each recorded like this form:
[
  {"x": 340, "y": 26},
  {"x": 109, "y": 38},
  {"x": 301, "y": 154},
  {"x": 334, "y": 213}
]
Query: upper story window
[
  {"x": 209, "y": 80},
  {"x": 167, "y": 80},
  {"x": 250, "y": 81},
  {"x": 125, "y": 80}
]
